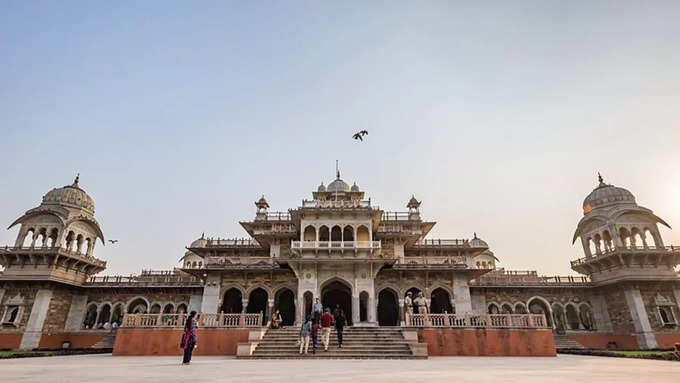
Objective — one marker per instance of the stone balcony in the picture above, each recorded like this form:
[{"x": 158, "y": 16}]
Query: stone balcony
[{"x": 335, "y": 247}]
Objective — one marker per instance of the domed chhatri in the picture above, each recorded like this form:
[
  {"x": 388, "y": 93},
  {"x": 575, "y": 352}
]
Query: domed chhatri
[
  {"x": 321, "y": 188},
  {"x": 355, "y": 187},
  {"x": 606, "y": 195},
  {"x": 478, "y": 242},
  {"x": 338, "y": 185},
  {"x": 70, "y": 196}
]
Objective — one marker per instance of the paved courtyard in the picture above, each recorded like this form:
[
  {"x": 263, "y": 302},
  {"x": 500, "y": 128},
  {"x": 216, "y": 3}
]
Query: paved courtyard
[{"x": 564, "y": 368}]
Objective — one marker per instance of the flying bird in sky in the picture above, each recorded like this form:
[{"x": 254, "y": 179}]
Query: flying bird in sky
[
  {"x": 360, "y": 135},
  {"x": 113, "y": 241}
]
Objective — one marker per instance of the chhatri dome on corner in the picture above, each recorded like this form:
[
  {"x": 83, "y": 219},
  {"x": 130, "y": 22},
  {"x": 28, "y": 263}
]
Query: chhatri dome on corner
[{"x": 352, "y": 254}]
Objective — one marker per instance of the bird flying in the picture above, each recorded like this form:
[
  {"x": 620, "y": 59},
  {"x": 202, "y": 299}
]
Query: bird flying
[
  {"x": 360, "y": 135},
  {"x": 113, "y": 240}
]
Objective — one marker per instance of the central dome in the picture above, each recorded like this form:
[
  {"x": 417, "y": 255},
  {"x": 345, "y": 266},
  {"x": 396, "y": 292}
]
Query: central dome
[
  {"x": 338, "y": 185},
  {"x": 607, "y": 195},
  {"x": 70, "y": 196}
]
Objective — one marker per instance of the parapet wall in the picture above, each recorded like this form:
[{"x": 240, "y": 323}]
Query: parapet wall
[
  {"x": 487, "y": 342},
  {"x": 165, "y": 341}
]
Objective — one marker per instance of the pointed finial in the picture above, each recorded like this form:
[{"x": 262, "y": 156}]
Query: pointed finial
[
  {"x": 337, "y": 170},
  {"x": 203, "y": 235},
  {"x": 475, "y": 235},
  {"x": 600, "y": 179},
  {"x": 75, "y": 181}
]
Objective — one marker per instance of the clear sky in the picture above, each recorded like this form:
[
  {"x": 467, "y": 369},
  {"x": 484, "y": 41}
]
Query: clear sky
[{"x": 497, "y": 115}]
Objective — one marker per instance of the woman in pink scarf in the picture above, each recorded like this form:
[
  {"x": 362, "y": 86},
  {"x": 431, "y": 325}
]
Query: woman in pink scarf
[{"x": 189, "y": 338}]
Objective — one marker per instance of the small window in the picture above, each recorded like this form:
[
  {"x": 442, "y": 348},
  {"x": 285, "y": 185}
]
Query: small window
[
  {"x": 11, "y": 316},
  {"x": 666, "y": 314}
]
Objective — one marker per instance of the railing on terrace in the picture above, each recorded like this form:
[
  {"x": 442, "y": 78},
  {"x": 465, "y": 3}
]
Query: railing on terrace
[
  {"x": 607, "y": 251},
  {"x": 335, "y": 245},
  {"x": 536, "y": 321},
  {"x": 337, "y": 204},
  {"x": 396, "y": 216},
  {"x": 146, "y": 280},
  {"x": 50, "y": 249},
  {"x": 273, "y": 216},
  {"x": 204, "y": 320},
  {"x": 530, "y": 280},
  {"x": 240, "y": 242},
  {"x": 441, "y": 242}
]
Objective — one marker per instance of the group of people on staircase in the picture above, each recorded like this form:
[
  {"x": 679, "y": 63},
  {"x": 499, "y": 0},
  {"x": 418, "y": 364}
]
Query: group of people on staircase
[{"x": 321, "y": 321}]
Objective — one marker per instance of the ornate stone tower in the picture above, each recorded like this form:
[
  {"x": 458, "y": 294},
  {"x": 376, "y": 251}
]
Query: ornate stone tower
[
  {"x": 56, "y": 240},
  {"x": 626, "y": 260}
]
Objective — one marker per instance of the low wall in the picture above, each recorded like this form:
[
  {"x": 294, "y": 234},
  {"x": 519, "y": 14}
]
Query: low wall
[
  {"x": 667, "y": 340},
  {"x": 165, "y": 341},
  {"x": 10, "y": 341},
  {"x": 487, "y": 342},
  {"x": 77, "y": 339},
  {"x": 601, "y": 340}
]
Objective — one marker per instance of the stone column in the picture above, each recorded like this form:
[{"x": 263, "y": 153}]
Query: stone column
[
  {"x": 2, "y": 294},
  {"x": 244, "y": 303},
  {"x": 211, "y": 294},
  {"x": 76, "y": 313},
  {"x": 643, "y": 331},
  {"x": 33, "y": 330},
  {"x": 195, "y": 303},
  {"x": 270, "y": 309},
  {"x": 461, "y": 292},
  {"x": 372, "y": 309},
  {"x": 600, "y": 314},
  {"x": 355, "y": 310},
  {"x": 402, "y": 312}
]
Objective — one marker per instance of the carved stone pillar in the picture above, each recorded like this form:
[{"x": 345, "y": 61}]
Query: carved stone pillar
[
  {"x": 402, "y": 312},
  {"x": 643, "y": 330},
  {"x": 461, "y": 292},
  {"x": 355, "y": 310}
]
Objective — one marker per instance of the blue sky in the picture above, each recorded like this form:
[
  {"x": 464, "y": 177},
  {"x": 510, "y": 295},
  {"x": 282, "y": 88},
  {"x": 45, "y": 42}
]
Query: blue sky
[{"x": 497, "y": 115}]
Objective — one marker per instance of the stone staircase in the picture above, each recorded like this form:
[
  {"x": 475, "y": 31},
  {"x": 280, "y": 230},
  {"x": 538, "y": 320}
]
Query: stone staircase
[
  {"x": 358, "y": 343},
  {"x": 107, "y": 341},
  {"x": 564, "y": 342}
]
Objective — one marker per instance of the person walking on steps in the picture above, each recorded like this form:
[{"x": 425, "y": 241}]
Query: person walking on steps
[
  {"x": 189, "y": 337},
  {"x": 317, "y": 309},
  {"x": 340, "y": 322},
  {"x": 305, "y": 331},
  {"x": 326, "y": 323},
  {"x": 315, "y": 335}
]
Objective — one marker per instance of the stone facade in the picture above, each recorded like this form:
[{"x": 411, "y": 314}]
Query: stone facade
[{"x": 341, "y": 248}]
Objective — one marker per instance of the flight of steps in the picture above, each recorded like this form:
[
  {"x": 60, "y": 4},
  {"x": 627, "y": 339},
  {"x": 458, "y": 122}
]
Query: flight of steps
[
  {"x": 107, "y": 341},
  {"x": 358, "y": 343},
  {"x": 564, "y": 342}
]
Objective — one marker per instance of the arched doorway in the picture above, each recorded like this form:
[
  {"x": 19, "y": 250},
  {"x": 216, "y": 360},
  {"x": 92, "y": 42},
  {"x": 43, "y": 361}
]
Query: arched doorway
[
  {"x": 363, "y": 307},
  {"x": 307, "y": 298},
  {"x": 284, "y": 301},
  {"x": 338, "y": 293},
  {"x": 538, "y": 306},
  {"x": 232, "y": 302},
  {"x": 441, "y": 301},
  {"x": 559, "y": 318},
  {"x": 138, "y": 306},
  {"x": 572, "y": 317},
  {"x": 388, "y": 308},
  {"x": 257, "y": 302}
]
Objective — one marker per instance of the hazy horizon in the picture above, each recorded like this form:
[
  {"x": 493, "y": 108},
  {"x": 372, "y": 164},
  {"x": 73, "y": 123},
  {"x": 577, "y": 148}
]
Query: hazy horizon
[{"x": 497, "y": 116}]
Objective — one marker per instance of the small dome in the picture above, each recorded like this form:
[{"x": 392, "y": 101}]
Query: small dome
[
  {"x": 606, "y": 195},
  {"x": 477, "y": 242},
  {"x": 70, "y": 196},
  {"x": 355, "y": 187},
  {"x": 262, "y": 203},
  {"x": 338, "y": 185},
  {"x": 321, "y": 188},
  {"x": 201, "y": 242},
  {"x": 413, "y": 203}
]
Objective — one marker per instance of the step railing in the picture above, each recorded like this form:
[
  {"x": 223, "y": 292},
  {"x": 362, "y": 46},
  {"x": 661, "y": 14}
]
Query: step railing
[
  {"x": 477, "y": 321},
  {"x": 204, "y": 320}
]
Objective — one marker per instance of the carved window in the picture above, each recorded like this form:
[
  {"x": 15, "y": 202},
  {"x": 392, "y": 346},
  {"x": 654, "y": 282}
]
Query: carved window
[
  {"x": 666, "y": 314},
  {"x": 11, "y": 315}
]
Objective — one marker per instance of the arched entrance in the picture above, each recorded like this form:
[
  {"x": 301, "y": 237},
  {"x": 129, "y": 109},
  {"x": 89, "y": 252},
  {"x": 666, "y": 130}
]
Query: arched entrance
[
  {"x": 538, "y": 306},
  {"x": 284, "y": 301},
  {"x": 232, "y": 302},
  {"x": 388, "y": 308},
  {"x": 338, "y": 293},
  {"x": 363, "y": 307},
  {"x": 257, "y": 303},
  {"x": 441, "y": 301}
]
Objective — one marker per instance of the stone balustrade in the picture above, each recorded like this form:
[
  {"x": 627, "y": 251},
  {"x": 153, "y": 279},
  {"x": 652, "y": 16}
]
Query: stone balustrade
[
  {"x": 205, "y": 320},
  {"x": 477, "y": 321}
]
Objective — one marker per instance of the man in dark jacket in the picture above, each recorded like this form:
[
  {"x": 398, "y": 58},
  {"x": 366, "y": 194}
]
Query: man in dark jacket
[{"x": 340, "y": 322}]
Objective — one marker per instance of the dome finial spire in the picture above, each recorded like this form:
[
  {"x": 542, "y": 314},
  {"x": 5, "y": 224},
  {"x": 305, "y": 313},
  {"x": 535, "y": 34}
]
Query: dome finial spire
[
  {"x": 337, "y": 170},
  {"x": 75, "y": 181},
  {"x": 600, "y": 179}
]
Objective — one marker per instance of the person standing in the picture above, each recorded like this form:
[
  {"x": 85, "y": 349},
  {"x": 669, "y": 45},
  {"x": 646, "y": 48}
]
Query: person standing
[
  {"x": 305, "y": 331},
  {"x": 276, "y": 319},
  {"x": 340, "y": 322},
  {"x": 315, "y": 335},
  {"x": 317, "y": 309},
  {"x": 189, "y": 338},
  {"x": 326, "y": 323},
  {"x": 408, "y": 304}
]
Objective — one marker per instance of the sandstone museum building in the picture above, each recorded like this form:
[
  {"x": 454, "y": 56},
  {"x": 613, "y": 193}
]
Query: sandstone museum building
[{"x": 342, "y": 248}]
